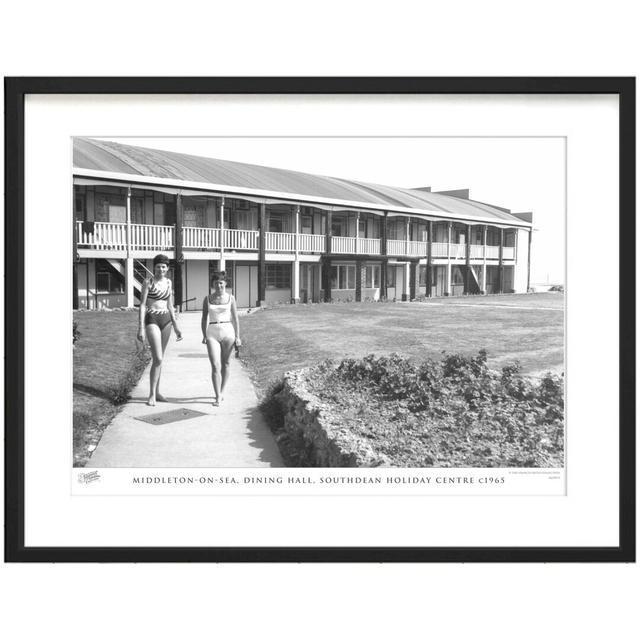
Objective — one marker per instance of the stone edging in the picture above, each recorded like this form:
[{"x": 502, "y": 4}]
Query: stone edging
[{"x": 316, "y": 436}]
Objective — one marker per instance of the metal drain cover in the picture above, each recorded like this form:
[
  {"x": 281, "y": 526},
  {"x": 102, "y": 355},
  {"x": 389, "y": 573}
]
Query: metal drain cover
[{"x": 167, "y": 417}]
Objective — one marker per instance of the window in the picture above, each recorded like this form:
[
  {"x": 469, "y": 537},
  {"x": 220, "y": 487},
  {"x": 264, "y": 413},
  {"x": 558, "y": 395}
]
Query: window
[
  {"x": 106, "y": 279},
  {"x": 338, "y": 226},
  {"x": 391, "y": 277},
  {"x": 343, "y": 276},
  {"x": 79, "y": 206},
  {"x": 372, "y": 277},
  {"x": 278, "y": 276},
  {"x": 422, "y": 276},
  {"x": 306, "y": 224},
  {"x": 193, "y": 214},
  {"x": 110, "y": 207},
  {"x": 362, "y": 228},
  {"x": 137, "y": 211}
]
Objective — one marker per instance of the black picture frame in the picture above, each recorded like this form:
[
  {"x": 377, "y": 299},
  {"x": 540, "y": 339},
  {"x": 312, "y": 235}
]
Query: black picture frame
[{"x": 16, "y": 89}]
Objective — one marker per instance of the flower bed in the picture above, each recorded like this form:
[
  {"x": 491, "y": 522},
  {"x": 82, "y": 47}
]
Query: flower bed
[{"x": 450, "y": 413}]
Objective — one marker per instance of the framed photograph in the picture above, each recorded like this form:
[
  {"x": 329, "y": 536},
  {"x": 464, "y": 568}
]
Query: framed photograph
[{"x": 320, "y": 319}]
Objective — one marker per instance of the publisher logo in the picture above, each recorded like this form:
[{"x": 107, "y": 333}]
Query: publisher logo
[{"x": 90, "y": 476}]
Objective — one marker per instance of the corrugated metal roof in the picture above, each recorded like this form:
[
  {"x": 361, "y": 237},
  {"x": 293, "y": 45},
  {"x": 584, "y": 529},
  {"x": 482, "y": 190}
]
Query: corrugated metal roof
[{"x": 113, "y": 157}]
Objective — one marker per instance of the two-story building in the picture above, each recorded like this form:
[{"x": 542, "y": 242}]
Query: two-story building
[{"x": 280, "y": 235}]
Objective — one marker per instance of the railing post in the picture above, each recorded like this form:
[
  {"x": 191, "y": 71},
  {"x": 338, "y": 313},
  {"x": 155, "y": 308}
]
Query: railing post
[
  {"x": 383, "y": 243},
  {"x": 484, "y": 259},
  {"x": 448, "y": 283},
  {"x": 262, "y": 266},
  {"x": 500, "y": 267},
  {"x": 222, "y": 260},
  {"x": 128, "y": 272},
  {"x": 467, "y": 275},
  {"x": 406, "y": 237},
  {"x": 296, "y": 263},
  {"x": 429, "y": 258}
]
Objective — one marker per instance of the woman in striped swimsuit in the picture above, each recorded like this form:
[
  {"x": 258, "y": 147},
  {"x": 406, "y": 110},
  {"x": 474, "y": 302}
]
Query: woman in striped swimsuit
[
  {"x": 157, "y": 316},
  {"x": 220, "y": 332}
]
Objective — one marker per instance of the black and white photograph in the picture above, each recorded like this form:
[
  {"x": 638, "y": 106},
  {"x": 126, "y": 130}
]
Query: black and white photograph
[
  {"x": 350, "y": 314},
  {"x": 363, "y": 302}
]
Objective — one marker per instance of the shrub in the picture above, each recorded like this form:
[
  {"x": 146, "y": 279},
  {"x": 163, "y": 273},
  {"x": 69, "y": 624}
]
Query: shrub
[{"x": 475, "y": 415}]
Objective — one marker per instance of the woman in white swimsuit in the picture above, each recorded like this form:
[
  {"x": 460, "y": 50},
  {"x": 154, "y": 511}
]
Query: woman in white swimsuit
[{"x": 220, "y": 332}]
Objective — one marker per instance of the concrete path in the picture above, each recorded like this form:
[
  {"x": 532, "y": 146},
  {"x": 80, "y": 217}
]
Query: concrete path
[{"x": 232, "y": 435}]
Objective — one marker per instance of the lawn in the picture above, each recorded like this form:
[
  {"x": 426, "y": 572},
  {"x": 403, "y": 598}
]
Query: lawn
[
  {"x": 107, "y": 362},
  {"x": 524, "y": 328}
]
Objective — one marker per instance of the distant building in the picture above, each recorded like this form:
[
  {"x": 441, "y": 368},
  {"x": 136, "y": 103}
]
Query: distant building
[{"x": 281, "y": 236}]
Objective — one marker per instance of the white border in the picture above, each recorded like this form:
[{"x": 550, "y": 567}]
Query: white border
[{"x": 588, "y": 516}]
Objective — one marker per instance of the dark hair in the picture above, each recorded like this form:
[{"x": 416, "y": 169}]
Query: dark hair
[
  {"x": 219, "y": 275},
  {"x": 161, "y": 259}
]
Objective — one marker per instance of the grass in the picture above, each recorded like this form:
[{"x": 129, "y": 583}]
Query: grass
[
  {"x": 525, "y": 328},
  {"x": 107, "y": 363}
]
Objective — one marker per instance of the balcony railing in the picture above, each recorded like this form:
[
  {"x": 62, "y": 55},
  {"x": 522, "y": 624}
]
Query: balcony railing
[
  {"x": 341, "y": 244},
  {"x": 310, "y": 243},
  {"x": 102, "y": 235},
  {"x": 113, "y": 236},
  {"x": 200, "y": 238},
  {"x": 280, "y": 241},
  {"x": 439, "y": 250},
  {"x": 370, "y": 246},
  {"x": 240, "y": 239}
]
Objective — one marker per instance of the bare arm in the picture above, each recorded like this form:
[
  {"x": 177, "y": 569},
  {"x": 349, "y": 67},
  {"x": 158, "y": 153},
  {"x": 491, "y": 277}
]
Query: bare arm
[
  {"x": 205, "y": 318},
  {"x": 172, "y": 315},
  {"x": 235, "y": 321},
  {"x": 143, "y": 310}
]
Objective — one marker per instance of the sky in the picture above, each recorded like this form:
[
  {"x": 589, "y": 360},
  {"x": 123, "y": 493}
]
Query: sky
[{"x": 518, "y": 173}]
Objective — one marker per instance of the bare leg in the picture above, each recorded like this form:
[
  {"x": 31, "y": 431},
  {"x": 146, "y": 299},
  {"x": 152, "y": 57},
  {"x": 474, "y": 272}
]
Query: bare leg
[
  {"x": 154, "y": 337},
  {"x": 213, "y": 348},
  {"x": 166, "y": 334},
  {"x": 226, "y": 350}
]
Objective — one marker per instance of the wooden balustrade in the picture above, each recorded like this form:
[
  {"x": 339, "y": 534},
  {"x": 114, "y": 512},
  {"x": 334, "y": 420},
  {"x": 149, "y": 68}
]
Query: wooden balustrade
[
  {"x": 113, "y": 236},
  {"x": 369, "y": 246},
  {"x": 311, "y": 243},
  {"x": 341, "y": 244}
]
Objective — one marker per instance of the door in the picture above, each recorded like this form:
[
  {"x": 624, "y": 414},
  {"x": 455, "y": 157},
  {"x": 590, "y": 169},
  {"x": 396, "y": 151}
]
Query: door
[
  {"x": 309, "y": 283},
  {"x": 246, "y": 285}
]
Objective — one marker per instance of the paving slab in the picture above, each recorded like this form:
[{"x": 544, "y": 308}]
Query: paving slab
[{"x": 231, "y": 435}]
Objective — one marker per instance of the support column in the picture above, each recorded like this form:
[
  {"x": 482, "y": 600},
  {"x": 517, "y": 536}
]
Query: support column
[
  {"x": 500, "y": 266},
  {"x": 385, "y": 235},
  {"x": 484, "y": 259},
  {"x": 429, "y": 258},
  {"x": 529, "y": 260},
  {"x": 357, "y": 231},
  {"x": 326, "y": 278},
  {"x": 262, "y": 262},
  {"x": 222, "y": 259},
  {"x": 74, "y": 258},
  {"x": 327, "y": 233},
  {"x": 407, "y": 277},
  {"x": 359, "y": 264},
  {"x": 295, "y": 290},
  {"x": 128, "y": 270},
  {"x": 413, "y": 279},
  {"x": 179, "y": 261},
  {"x": 447, "y": 286},
  {"x": 467, "y": 275},
  {"x": 406, "y": 237}
]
